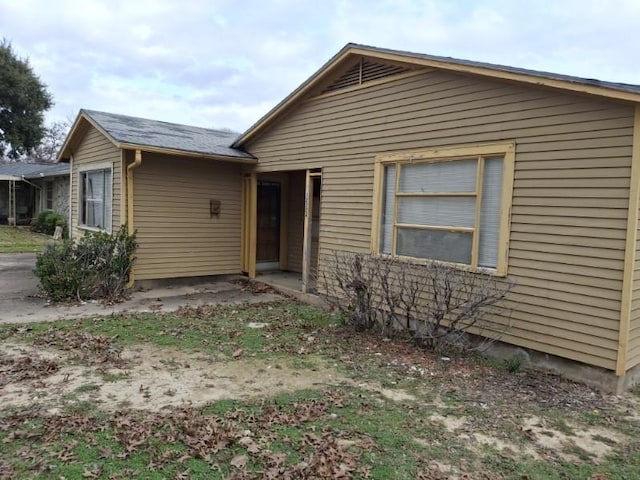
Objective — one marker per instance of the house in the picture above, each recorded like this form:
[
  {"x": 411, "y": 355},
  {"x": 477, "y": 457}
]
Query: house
[
  {"x": 525, "y": 174},
  {"x": 178, "y": 187},
  {"x": 26, "y": 189}
]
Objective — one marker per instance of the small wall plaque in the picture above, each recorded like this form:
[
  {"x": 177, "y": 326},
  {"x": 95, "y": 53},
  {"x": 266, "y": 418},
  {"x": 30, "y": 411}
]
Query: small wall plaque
[{"x": 214, "y": 207}]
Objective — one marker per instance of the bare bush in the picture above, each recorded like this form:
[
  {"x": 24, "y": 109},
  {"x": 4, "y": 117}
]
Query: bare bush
[
  {"x": 349, "y": 285},
  {"x": 437, "y": 303}
]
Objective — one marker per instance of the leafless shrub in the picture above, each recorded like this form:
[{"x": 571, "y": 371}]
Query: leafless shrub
[
  {"x": 349, "y": 283},
  {"x": 437, "y": 303}
]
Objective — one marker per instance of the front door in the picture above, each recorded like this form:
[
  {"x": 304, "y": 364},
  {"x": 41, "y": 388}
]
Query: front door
[{"x": 268, "y": 224}]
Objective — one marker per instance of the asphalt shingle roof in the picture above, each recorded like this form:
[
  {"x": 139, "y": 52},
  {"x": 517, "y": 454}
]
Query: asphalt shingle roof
[
  {"x": 154, "y": 133},
  {"x": 34, "y": 170}
]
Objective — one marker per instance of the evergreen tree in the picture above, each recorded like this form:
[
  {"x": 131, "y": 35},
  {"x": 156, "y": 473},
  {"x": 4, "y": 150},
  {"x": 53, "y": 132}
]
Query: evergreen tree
[{"x": 23, "y": 101}]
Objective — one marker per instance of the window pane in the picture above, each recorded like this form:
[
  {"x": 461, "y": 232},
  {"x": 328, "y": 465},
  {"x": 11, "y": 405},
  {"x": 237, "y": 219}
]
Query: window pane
[
  {"x": 386, "y": 224},
  {"x": 106, "y": 201},
  {"x": 96, "y": 195},
  {"x": 438, "y": 211},
  {"x": 455, "y": 176},
  {"x": 435, "y": 244},
  {"x": 96, "y": 183},
  {"x": 490, "y": 213}
]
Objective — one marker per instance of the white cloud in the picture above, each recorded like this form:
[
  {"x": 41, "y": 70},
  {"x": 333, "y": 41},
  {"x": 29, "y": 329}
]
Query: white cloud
[{"x": 225, "y": 63}]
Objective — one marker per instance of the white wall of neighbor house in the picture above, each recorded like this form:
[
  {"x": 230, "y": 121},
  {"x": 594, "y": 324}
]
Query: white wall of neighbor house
[
  {"x": 570, "y": 193},
  {"x": 61, "y": 195}
]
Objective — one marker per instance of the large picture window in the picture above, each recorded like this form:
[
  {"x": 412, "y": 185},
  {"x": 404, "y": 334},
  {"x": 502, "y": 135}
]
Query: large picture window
[
  {"x": 95, "y": 199},
  {"x": 450, "y": 205}
]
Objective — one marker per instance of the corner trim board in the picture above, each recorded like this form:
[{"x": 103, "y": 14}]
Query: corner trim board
[{"x": 630, "y": 249}]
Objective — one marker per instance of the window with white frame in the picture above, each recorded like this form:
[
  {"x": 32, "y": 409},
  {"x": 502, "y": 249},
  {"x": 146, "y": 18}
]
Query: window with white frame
[
  {"x": 449, "y": 205},
  {"x": 95, "y": 199}
]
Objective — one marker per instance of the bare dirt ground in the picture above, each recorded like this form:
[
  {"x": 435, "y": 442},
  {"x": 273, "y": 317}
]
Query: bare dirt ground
[
  {"x": 145, "y": 378},
  {"x": 153, "y": 378},
  {"x": 270, "y": 391}
]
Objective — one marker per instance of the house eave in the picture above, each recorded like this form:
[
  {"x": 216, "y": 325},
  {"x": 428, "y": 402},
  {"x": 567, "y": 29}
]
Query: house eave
[
  {"x": 66, "y": 151},
  {"x": 185, "y": 153}
]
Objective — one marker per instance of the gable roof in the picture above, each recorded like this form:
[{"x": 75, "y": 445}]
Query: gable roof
[
  {"x": 613, "y": 90},
  {"x": 153, "y": 135},
  {"x": 21, "y": 170}
]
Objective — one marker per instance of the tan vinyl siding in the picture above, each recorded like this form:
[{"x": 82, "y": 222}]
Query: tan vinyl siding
[
  {"x": 96, "y": 149},
  {"x": 571, "y": 188},
  {"x": 177, "y": 235}
]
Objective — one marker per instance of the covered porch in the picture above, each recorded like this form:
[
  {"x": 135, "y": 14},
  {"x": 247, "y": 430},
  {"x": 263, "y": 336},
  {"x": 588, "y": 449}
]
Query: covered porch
[
  {"x": 26, "y": 189},
  {"x": 281, "y": 225}
]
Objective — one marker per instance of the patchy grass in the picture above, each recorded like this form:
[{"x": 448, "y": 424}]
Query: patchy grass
[
  {"x": 21, "y": 240},
  {"x": 402, "y": 413},
  {"x": 280, "y": 328}
]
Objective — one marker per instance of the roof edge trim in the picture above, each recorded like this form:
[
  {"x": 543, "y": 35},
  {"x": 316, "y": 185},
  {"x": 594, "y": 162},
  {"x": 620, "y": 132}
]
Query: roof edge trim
[
  {"x": 64, "y": 152},
  {"x": 186, "y": 153}
]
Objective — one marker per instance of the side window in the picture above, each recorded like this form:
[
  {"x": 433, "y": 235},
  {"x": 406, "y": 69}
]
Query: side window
[{"x": 95, "y": 199}]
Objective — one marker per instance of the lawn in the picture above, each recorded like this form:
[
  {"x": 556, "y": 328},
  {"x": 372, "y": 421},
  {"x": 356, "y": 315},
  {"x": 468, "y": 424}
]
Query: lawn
[
  {"x": 21, "y": 240},
  {"x": 286, "y": 391}
]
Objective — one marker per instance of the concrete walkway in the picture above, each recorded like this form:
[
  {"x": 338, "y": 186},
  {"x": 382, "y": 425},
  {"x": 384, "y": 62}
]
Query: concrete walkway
[{"x": 19, "y": 301}]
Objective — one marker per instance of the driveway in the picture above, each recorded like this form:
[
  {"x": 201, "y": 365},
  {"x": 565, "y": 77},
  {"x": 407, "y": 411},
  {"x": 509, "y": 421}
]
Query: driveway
[
  {"x": 19, "y": 287},
  {"x": 17, "y": 280}
]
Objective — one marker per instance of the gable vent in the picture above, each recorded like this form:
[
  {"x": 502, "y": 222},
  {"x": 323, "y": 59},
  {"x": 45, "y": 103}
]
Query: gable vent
[{"x": 364, "y": 71}]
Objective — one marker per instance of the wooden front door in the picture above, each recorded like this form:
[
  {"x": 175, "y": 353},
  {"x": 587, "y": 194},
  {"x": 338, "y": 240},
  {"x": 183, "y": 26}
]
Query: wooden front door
[{"x": 268, "y": 219}]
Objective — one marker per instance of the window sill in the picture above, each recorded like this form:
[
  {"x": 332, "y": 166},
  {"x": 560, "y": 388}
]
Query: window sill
[
  {"x": 87, "y": 228},
  {"x": 461, "y": 266}
]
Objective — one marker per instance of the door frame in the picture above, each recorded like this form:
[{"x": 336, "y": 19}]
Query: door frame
[
  {"x": 249, "y": 209},
  {"x": 276, "y": 261},
  {"x": 308, "y": 219},
  {"x": 249, "y": 224}
]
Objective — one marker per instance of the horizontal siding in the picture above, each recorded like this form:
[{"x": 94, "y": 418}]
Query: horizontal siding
[
  {"x": 176, "y": 234},
  {"x": 95, "y": 148},
  {"x": 571, "y": 187}
]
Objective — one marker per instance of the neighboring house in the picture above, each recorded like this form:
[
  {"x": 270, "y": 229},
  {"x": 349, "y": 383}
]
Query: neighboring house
[
  {"x": 26, "y": 189},
  {"x": 515, "y": 172}
]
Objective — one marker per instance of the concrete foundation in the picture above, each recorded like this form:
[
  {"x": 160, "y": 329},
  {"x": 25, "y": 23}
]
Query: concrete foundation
[
  {"x": 289, "y": 284},
  {"x": 140, "y": 285},
  {"x": 596, "y": 377}
]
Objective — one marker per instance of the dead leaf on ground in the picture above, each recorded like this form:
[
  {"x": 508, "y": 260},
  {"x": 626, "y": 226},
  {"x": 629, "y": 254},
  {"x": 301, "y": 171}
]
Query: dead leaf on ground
[{"x": 239, "y": 461}]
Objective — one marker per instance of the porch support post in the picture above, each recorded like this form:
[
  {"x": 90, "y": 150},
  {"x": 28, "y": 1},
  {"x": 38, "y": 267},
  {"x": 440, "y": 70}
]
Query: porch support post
[
  {"x": 306, "y": 242},
  {"x": 12, "y": 219},
  {"x": 253, "y": 224}
]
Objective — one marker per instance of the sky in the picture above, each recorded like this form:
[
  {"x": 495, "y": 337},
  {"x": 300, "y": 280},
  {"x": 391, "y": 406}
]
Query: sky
[{"x": 224, "y": 64}]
